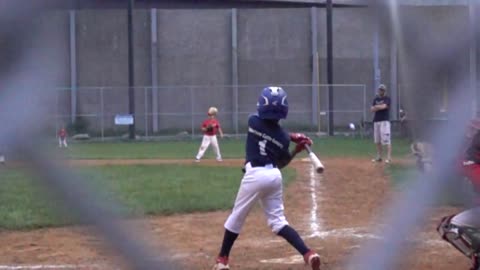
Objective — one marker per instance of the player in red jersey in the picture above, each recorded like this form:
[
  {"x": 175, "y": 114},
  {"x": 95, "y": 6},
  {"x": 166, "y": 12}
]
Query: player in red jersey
[
  {"x": 210, "y": 128},
  {"x": 62, "y": 138}
]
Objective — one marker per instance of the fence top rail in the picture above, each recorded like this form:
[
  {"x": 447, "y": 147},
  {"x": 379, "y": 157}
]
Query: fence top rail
[{"x": 207, "y": 86}]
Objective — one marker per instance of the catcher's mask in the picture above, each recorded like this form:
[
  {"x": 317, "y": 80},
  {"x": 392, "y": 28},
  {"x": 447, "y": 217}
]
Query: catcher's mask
[{"x": 464, "y": 238}]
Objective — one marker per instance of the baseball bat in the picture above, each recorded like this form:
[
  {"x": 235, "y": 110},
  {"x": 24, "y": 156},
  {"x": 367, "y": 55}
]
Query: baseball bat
[{"x": 317, "y": 164}]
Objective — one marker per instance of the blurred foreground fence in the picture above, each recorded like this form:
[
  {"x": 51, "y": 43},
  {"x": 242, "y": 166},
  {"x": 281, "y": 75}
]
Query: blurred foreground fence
[{"x": 174, "y": 110}]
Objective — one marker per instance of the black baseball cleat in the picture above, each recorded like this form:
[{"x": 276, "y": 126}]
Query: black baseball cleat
[{"x": 377, "y": 160}]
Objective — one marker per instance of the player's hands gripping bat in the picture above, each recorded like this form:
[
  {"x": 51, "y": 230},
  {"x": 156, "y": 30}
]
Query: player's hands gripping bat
[
  {"x": 303, "y": 143},
  {"x": 317, "y": 164},
  {"x": 301, "y": 140},
  {"x": 298, "y": 137}
]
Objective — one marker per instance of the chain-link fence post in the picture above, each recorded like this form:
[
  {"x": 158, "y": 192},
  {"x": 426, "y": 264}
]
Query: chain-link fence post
[
  {"x": 192, "y": 109},
  {"x": 364, "y": 103},
  {"x": 146, "y": 110},
  {"x": 102, "y": 116},
  {"x": 57, "y": 115},
  {"x": 328, "y": 109}
]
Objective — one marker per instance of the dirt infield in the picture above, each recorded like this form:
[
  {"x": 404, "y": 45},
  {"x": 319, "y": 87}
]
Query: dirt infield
[{"x": 335, "y": 213}]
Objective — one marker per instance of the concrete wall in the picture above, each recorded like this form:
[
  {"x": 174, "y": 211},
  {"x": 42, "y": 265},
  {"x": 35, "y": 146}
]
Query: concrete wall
[
  {"x": 36, "y": 47},
  {"x": 274, "y": 47},
  {"x": 441, "y": 33}
]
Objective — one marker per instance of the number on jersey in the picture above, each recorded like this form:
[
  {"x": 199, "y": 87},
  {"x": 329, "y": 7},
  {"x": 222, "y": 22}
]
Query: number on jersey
[{"x": 262, "y": 145}]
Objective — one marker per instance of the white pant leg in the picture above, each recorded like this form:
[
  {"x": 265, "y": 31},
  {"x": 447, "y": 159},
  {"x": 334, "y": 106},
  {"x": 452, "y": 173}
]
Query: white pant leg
[
  {"x": 376, "y": 132},
  {"x": 385, "y": 132},
  {"x": 259, "y": 183},
  {"x": 216, "y": 147},
  {"x": 65, "y": 142},
  {"x": 272, "y": 203},
  {"x": 204, "y": 146},
  {"x": 247, "y": 196},
  {"x": 60, "y": 144}
]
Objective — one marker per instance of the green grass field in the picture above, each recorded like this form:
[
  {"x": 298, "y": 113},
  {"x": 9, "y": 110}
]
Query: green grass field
[
  {"x": 153, "y": 190},
  {"x": 143, "y": 189},
  {"x": 230, "y": 148}
]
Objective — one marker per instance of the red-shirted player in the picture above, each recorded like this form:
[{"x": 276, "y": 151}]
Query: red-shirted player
[
  {"x": 62, "y": 138},
  {"x": 210, "y": 128}
]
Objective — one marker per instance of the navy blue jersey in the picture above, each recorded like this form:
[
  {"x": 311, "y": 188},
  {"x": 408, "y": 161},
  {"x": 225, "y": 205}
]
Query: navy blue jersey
[
  {"x": 267, "y": 142},
  {"x": 382, "y": 115}
]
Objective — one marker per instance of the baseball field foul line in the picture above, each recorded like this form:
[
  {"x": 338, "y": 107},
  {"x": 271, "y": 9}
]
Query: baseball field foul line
[{"x": 315, "y": 222}]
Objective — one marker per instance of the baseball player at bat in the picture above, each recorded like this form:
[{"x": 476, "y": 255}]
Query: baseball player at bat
[
  {"x": 267, "y": 151},
  {"x": 210, "y": 128},
  {"x": 462, "y": 230}
]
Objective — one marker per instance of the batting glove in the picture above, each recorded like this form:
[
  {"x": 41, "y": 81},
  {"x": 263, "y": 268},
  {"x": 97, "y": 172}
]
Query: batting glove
[
  {"x": 297, "y": 137},
  {"x": 301, "y": 145}
]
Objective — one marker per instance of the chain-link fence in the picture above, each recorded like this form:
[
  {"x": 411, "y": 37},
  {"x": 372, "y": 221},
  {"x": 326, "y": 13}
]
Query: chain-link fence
[{"x": 179, "y": 110}]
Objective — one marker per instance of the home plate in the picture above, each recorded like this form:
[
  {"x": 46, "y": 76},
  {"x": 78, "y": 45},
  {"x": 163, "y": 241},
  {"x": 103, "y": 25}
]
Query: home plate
[
  {"x": 305, "y": 160},
  {"x": 295, "y": 259}
]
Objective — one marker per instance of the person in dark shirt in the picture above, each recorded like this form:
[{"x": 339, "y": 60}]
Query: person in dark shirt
[
  {"x": 267, "y": 151},
  {"x": 381, "y": 124}
]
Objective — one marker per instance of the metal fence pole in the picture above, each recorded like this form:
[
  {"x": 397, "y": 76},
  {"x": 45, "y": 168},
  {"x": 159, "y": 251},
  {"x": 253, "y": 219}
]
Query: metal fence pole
[
  {"x": 394, "y": 73},
  {"x": 329, "y": 24},
  {"x": 192, "y": 112},
  {"x": 102, "y": 116},
  {"x": 57, "y": 115},
  {"x": 235, "y": 70},
  {"x": 154, "y": 67},
  {"x": 131, "y": 70},
  {"x": 365, "y": 106},
  {"x": 329, "y": 110},
  {"x": 364, "y": 103},
  {"x": 73, "y": 67},
  {"x": 473, "y": 55},
  {"x": 315, "y": 66},
  {"x": 146, "y": 110}
]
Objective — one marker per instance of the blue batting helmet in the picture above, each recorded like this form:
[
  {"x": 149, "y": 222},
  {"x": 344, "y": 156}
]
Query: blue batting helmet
[{"x": 272, "y": 103}]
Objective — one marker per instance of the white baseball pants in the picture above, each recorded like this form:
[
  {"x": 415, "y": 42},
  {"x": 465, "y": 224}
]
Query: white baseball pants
[
  {"x": 62, "y": 142},
  {"x": 207, "y": 140},
  {"x": 263, "y": 184}
]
